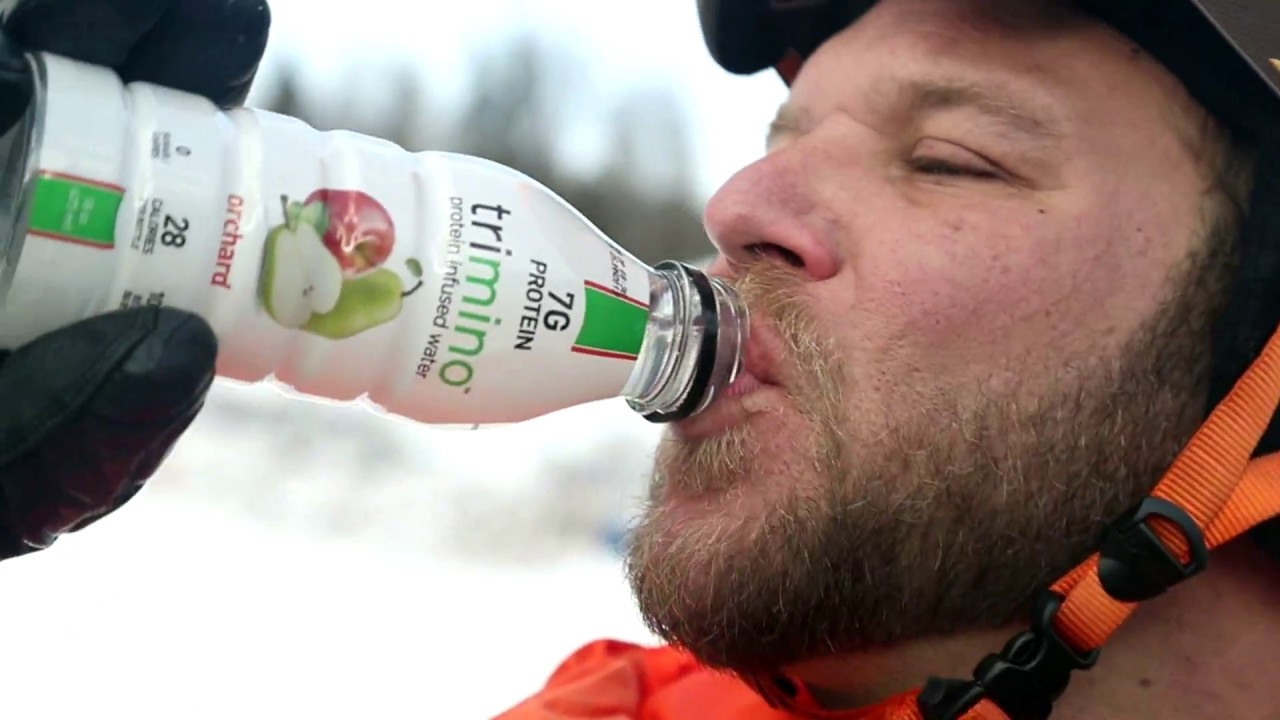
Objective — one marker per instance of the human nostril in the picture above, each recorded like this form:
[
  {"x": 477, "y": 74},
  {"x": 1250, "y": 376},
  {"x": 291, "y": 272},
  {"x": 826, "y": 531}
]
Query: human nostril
[{"x": 770, "y": 250}]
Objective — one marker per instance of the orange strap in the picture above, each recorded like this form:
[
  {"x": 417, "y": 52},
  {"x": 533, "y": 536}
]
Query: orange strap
[
  {"x": 1213, "y": 480},
  {"x": 1089, "y": 615}
]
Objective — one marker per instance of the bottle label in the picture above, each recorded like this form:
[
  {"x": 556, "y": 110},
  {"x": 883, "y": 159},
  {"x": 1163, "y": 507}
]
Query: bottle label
[
  {"x": 443, "y": 287},
  {"x": 448, "y": 288}
]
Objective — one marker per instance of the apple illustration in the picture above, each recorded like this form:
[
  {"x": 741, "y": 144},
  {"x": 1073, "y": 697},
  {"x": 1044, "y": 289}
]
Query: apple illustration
[{"x": 359, "y": 232}]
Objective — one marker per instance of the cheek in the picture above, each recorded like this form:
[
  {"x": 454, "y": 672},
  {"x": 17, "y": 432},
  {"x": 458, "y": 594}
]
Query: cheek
[{"x": 984, "y": 291}]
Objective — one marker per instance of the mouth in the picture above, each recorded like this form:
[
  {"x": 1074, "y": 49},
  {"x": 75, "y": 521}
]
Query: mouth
[{"x": 757, "y": 388}]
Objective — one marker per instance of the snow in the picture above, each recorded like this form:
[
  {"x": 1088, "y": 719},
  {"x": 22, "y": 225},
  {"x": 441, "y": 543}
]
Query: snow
[{"x": 298, "y": 559}]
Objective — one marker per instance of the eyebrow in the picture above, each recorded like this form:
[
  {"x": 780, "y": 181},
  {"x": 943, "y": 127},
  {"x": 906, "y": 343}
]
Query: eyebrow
[
  {"x": 1016, "y": 113},
  {"x": 916, "y": 97}
]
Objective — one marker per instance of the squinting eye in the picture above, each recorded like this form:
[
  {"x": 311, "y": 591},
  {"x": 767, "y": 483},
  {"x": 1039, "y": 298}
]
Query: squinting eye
[
  {"x": 947, "y": 159},
  {"x": 934, "y": 166}
]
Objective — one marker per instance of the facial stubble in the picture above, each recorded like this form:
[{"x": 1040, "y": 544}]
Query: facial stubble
[{"x": 945, "y": 513}]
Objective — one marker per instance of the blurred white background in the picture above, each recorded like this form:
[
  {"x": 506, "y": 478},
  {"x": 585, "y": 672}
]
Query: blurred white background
[{"x": 297, "y": 559}]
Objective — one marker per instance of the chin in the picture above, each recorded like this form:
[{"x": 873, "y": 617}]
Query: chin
[{"x": 737, "y": 471}]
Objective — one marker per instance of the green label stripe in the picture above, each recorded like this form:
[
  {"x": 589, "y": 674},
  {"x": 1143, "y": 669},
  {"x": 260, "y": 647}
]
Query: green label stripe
[
  {"x": 75, "y": 210},
  {"x": 613, "y": 325}
]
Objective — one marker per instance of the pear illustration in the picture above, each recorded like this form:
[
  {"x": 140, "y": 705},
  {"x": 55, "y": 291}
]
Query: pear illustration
[
  {"x": 299, "y": 275},
  {"x": 366, "y": 301}
]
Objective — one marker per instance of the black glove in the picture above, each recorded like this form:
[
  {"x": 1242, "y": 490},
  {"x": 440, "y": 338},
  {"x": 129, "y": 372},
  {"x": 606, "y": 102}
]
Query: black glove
[
  {"x": 88, "y": 412},
  {"x": 209, "y": 47}
]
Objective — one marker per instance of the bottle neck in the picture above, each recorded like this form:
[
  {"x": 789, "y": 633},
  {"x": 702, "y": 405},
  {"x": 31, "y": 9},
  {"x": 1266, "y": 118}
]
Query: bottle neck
[{"x": 693, "y": 344}]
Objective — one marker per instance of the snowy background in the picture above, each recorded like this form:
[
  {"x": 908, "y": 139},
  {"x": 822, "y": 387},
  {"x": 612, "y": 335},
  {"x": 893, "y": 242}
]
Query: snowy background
[
  {"x": 296, "y": 559},
  {"x": 303, "y": 560}
]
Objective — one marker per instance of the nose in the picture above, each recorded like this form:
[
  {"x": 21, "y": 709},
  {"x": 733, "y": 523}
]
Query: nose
[{"x": 771, "y": 209}]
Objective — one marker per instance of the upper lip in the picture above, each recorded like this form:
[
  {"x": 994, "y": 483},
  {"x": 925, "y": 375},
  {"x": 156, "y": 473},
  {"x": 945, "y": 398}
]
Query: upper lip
[{"x": 760, "y": 353}]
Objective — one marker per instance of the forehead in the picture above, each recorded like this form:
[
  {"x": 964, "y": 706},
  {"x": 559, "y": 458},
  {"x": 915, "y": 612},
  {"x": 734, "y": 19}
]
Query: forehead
[{"x": 1038, "y": 56}]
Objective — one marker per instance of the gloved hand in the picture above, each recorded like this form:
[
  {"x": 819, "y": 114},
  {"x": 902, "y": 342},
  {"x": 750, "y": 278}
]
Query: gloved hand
[
  {"x": 208, "y": 47},
  {"x": 88, "y": 412}
]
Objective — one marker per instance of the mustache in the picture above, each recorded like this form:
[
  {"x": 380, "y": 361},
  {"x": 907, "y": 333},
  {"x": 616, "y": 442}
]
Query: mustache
[
  {"x": 811, "y": 366},
  {"x": 812, "y": 374}
]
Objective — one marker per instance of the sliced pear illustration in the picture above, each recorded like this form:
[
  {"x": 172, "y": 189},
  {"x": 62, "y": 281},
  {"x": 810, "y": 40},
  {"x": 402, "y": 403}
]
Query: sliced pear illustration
[
  {"x": 367, "y": 301},
  {"x": 284, "y": 280},
  {"x": 299, "y": 276},
  {"x": 323, "y": 270}
]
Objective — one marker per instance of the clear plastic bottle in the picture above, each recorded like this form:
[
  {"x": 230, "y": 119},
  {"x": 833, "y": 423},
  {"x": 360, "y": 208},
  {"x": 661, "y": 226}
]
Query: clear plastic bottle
[{"x": 439, "y": 287}]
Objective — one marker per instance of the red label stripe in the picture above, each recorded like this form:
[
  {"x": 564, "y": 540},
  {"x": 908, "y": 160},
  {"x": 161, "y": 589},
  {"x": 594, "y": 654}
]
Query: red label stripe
[
  {"x": 615, "y": 293},
  {"x": 73, "y": 240},
  {"x": 603, "y": 353},
  {"x": 82, "y": 180}
]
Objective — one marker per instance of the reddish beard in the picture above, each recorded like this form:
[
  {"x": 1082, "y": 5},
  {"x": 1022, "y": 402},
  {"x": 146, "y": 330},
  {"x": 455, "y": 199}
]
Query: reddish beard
[{"x": 943, "y": 512}]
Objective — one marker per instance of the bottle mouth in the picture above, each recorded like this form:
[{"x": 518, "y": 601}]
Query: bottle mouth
[
  {"x": 708, "y": 349},
  {"x": 731, "y": 337}
]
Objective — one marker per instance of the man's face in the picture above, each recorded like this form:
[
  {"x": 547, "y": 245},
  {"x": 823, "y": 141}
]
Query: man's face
[{"x": 974, "y": 257}]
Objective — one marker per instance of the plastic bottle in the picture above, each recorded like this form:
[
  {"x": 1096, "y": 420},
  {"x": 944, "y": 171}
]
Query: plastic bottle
[{"x": 439, "y": 287}]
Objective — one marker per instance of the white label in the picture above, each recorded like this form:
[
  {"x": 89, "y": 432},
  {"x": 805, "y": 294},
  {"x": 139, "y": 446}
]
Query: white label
[{"x": 446, "y": 288}]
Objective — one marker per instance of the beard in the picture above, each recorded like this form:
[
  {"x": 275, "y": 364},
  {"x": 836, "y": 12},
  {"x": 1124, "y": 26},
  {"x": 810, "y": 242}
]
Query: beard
[{"x": 942, "y": 512}]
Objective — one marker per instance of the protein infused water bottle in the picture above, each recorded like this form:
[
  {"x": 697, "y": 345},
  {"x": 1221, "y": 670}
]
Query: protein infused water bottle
[{"x": 440, "y": 287}]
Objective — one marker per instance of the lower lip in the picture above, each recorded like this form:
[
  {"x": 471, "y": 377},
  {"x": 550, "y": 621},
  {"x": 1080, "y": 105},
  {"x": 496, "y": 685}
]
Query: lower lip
[
  {"x": 730, "y": 409},
  {"x": 745, "y": 383}
]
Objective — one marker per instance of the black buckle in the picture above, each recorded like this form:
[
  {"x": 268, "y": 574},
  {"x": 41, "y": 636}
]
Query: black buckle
[
  {"x": 769, "y": 687},
  {"x": 1134, "y": 565},
  {"x": 1024, "y": 679}
]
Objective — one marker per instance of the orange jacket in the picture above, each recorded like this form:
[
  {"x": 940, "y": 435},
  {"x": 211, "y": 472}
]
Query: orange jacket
[{"x": 610, "y": 680}]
